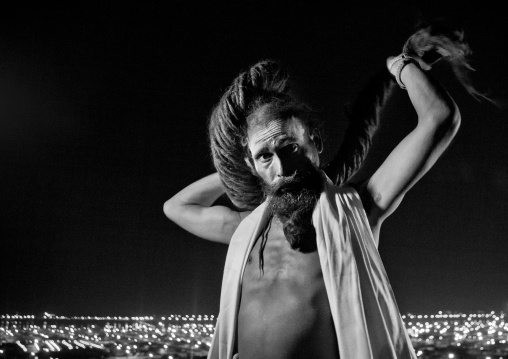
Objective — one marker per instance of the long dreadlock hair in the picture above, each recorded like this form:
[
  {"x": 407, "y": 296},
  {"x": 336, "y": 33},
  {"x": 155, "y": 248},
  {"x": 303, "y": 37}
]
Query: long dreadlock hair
[
  {"x": 265, "y": 83},
  {"x": 268, "y": 82}
]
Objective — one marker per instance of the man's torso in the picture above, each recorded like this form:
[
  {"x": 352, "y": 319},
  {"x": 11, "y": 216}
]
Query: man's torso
[{"x": 284, "y": 310}]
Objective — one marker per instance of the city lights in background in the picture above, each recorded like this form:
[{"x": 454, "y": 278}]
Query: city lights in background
[
  {"x": 441, "y": 335},
  {"x": 478, "y": 335},
  {"x": 172, "y": 336}
]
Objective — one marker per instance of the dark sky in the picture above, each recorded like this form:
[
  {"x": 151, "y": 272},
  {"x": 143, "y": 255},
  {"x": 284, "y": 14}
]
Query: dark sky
[{"x": 103, "y": 112}]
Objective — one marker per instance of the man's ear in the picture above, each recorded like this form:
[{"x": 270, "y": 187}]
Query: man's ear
[{"x": 316, "y": 138}]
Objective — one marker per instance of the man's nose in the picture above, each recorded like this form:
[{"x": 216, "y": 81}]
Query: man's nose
[{"x": 285, "y": 166}]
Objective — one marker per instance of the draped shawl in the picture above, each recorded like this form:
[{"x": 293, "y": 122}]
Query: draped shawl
[{"x": 367, "y": 321}]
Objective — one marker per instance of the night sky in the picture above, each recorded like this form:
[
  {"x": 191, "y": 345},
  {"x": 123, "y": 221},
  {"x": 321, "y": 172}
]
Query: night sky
[{"x": 103, "y": 112}]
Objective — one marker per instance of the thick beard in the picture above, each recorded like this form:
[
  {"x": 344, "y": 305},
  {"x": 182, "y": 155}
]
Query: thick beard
[{"x": 292, "y": 201}]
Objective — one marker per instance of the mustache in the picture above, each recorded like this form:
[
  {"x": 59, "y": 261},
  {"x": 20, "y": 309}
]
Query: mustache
[{"x": 299, "y": 180}]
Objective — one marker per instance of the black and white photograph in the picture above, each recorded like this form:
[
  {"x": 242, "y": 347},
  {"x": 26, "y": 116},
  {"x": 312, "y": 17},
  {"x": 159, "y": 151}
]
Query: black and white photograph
[{"x": 254, "y": 180}]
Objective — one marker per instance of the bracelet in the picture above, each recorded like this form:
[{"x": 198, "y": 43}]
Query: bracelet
[{"x": 401, "y": 61}]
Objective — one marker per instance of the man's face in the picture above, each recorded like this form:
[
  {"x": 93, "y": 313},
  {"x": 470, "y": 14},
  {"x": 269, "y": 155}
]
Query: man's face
[
  {"x": 286, "y": 158},
  {"x": 279, "y": 148}
]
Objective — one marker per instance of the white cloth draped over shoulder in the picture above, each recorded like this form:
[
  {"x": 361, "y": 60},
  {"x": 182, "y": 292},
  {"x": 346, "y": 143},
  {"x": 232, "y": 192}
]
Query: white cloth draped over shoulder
[{"x": 365, "y": 314}]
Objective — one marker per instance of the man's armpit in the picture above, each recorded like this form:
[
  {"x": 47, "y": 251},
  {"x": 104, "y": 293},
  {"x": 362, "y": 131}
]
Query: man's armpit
[{"x": 369, "y": 200}]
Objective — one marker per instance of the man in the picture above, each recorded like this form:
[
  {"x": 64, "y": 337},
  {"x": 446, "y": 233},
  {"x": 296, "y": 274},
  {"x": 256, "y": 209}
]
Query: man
[{"x": 303, "y": 278}]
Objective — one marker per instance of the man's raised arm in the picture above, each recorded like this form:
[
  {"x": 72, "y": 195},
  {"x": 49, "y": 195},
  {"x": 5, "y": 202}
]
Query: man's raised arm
[
  {"x": 438, "y": 122},
  {"x": 192, "y": 209}
]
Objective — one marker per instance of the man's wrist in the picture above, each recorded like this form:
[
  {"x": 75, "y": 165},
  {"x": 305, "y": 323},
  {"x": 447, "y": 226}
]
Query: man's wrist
[{"x": 397, "y": 64}]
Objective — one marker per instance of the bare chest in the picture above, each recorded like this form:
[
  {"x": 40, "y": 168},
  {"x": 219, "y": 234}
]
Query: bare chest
[
  {"x": 284, "y": 309},
  {"x": 272, "y": 261}
]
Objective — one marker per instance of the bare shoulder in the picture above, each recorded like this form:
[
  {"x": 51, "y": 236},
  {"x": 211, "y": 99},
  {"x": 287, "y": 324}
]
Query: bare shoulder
[{"x": 244, "y": 215}]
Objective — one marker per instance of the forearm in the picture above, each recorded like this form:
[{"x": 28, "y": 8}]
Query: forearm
[
  {"x": 430, "y": 100},
  {"x": 438, "y": 122},
  {"x": 203, "y": 192},
  {"x": 192, "y": 209}
]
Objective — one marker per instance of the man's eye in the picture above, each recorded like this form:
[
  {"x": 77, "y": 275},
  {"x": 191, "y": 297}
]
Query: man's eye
[
  {"x": 264, "y": 157},
  {"x": 292, "y": 148}
]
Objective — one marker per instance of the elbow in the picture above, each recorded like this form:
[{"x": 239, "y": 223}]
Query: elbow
[
  {"x": 456, "y": 118},
  {"x": 446, "y": 119},
  {"x": 449, "y": 128},
  {"x": 452, "y": 122},
  {"x": 169, "y": 209}
]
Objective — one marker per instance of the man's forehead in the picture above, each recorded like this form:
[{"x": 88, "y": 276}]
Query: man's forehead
[{"x": 274, "y": 129}]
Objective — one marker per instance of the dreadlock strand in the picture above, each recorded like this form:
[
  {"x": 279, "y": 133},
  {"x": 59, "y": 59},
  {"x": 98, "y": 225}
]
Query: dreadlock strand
[
  {"x": 363, "y": 118},
  {"x": 439, "y": 41},
  {"x": 227, "y": 129}
]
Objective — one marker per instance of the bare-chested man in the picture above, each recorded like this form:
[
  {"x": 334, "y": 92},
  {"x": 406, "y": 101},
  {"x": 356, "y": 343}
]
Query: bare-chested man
[{"x": 286, "y": 305}]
